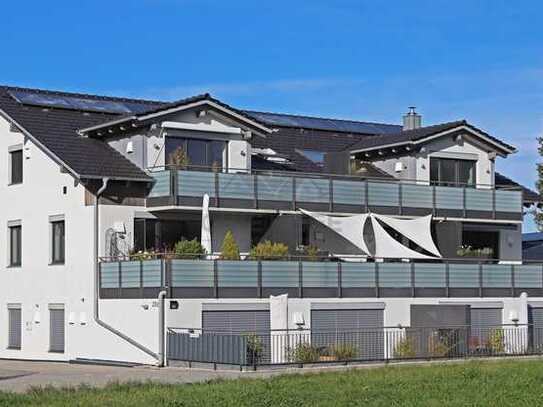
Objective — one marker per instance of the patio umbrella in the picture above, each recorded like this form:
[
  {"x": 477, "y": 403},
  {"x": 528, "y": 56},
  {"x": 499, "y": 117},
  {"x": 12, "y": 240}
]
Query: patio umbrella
[{"x": 205, "y": 238}]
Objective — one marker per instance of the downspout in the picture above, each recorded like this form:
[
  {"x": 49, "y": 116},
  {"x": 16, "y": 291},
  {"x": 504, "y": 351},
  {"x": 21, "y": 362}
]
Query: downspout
[
  {"x": 161, "y": 326},
  {"x": 97, "y": 281}
]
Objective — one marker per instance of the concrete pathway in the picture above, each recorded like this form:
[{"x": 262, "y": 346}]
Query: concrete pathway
[{"x": 19, "y": 376}]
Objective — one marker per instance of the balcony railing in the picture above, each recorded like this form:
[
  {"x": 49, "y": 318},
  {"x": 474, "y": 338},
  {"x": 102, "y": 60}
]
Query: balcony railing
[
  {"x": 342, "y": 194},
  {"x": 194, "y": 278}
]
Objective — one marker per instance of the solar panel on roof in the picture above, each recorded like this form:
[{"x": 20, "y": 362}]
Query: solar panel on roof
[
  {"x": 77, "y": 103},
  {"x": 316, "y": 123}
]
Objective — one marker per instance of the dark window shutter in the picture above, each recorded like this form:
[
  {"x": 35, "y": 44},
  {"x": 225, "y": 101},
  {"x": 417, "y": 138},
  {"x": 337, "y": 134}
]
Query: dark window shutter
[
  {"x": 15, "y": 328},
  {"x": 56, "y": 330}
]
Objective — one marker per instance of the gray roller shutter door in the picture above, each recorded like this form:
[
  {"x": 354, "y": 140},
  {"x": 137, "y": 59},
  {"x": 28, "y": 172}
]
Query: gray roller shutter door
[
  {"x": 56, "y": 330},
  {"x": 361, "y": 328},
  {"x": 484, "y": 321},
  {"x": 535, "y": 319},
  {"x": 237, "y": 322},
  {"x": 15, "y": 328}
]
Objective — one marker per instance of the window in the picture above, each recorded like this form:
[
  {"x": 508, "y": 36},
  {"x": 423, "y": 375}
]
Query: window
[
  {"x": 16, "y": 167},
  {"x": 162, "y": 235},
  {"x": 449, "y": 172},
  {"x": 57, "y": 242},
  {"x": 316, "y": 157},
  {"x": 15, "y": 245},
  {"x": 200, "y": 152},
  {"x": 15, "y": 327}
]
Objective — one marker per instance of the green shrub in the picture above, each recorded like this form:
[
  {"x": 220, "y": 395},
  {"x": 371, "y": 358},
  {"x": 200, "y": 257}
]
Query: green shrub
[
  {"x": 344, "y": 351},
  {"x": 229, "y": 248},
  {"x": 268, "y": 250},
  {"x": 142, "y": 255},
  {"x": 304, "y": 352},
  {"x": 496, "y": 341},
  {"x": 255, "y": 348},
  {"x": 437, "y": 345},
  {"x": 405, "y": 348},
  {"x": 189, "y": 249},
  {"x": 311, "y": 253}
]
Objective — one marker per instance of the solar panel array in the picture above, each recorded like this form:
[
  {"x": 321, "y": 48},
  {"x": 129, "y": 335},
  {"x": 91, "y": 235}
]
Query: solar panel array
[
  {"x": 344, "y": 126},
  {"x": 78, "y": 103}
]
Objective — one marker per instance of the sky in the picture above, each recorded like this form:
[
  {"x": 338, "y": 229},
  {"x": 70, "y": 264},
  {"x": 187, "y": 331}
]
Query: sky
[{"x": 366, "y": 60}]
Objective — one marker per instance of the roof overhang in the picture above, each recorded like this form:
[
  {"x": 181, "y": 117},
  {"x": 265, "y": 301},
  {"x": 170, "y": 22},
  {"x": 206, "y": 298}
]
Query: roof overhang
[
  {"x": 136, "y": 120},
  {"x": 500, "y": 148},
  {"x": 64, "y": 167}
]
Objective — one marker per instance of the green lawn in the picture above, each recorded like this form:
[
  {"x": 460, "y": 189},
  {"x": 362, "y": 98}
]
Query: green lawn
[{"x": 504, "y": 383}]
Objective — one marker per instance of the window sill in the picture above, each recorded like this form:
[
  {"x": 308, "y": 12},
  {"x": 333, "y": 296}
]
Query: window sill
[
  {"x": 13, "y": 348},
  {"x": 57, "y": 263},
  {"x": 14, "y": 183},
  {"x": 14, "y": 266},
  {"x": 55, "y": 351}
]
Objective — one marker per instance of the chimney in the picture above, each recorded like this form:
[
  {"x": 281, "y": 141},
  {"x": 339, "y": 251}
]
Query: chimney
[{"x": 411, "y": 120}]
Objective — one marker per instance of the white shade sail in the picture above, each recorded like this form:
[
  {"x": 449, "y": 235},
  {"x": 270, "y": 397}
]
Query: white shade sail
[
  {"x": 349, "y": 227},
  {"x": 352, "y": 228},
  {"x": 417, "y": 230},
  {"x": 388, "y": 247},
  {"x": 205, "y": 237}
]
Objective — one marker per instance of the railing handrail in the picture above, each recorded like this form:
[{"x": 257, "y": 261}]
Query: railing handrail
[
  {"x": 301, "y": 174},
  {"x": 317, "y": 259},
  {"x": 295, "y": 331}
]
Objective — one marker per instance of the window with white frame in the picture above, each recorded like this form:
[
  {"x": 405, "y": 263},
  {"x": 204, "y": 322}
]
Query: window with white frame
[
  {"x": 58, "y": 238},
  {"x": 15, "y": 240},
  {"x": 15, "y": 165}
]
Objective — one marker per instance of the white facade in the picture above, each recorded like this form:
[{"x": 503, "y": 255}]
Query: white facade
[{"x": 47, "y": 191}]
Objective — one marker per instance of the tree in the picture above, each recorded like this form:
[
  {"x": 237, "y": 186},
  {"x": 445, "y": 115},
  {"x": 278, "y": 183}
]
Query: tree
[
  {"x": 536, "y": 212},
  {"x": 229, "y": 248}
]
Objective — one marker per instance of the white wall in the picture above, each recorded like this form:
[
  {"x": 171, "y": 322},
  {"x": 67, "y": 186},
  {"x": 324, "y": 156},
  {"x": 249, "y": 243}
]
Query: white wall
[{"x": 36, "y": 283}]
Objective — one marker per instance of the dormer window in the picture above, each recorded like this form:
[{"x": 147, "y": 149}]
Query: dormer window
[
  {"x": 200, "y": 153},
  {"x": 452, "y": 172}
]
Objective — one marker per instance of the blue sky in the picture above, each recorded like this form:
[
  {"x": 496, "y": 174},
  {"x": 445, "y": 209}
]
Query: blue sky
[{"x": 367, "y": 60}]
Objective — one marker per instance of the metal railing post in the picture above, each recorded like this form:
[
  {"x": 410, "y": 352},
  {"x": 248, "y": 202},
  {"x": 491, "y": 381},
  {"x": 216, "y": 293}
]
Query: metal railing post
[
  {"x": 120, "y": 276},
  {"x": 259, "y": 279},
  {"x": 376, "y": 279},
  {"x": 512, "y": 280},
  {"x": 141, "y": 279},
  {"x": 366, "y": 196},
  {"x": 215, "y": 279},
  {"x": 447, "y": 279},
  {"x": 293, "y": 193},
  {"x": 493, "y": 203},
  {"x": 413, "y": 289},
  {"x": 216, "y": 182},
  {"x": 339, "y": 278},
  {"x": 330, "y": 195},
  {"x": 300, "y": 280},
  {"x": 400, "y": 199},
  {"x": 174, "y": 187},
  {"x": 464, "y": 211},
  {"x": 480, "y": 279},
  {"x": 434, "y": 209},
  {"x": 255, "y": 190}
]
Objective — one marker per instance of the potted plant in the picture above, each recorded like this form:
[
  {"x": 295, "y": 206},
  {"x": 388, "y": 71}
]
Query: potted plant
[{"x": 229, "y": 248}]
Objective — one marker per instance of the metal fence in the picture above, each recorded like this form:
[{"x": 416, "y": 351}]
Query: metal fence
[{"x": 302, "y": 347}]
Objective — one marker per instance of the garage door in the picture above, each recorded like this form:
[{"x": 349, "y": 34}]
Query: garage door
[
  {"x": 360, "y": 328},
  {"x": 484, "y": 323},
  {"x": 535, "y": 319},
  {"x": 239, "y": 323}
]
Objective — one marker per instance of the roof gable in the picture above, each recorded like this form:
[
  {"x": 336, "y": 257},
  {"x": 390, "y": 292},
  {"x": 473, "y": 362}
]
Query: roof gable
[{"x": 424, "y": 134}]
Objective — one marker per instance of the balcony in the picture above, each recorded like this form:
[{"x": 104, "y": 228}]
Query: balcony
[
  {"x": 288, "y": 191},
  {"x": 301, "y": 278}
]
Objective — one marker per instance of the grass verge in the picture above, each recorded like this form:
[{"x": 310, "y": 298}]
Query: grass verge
[{"x": 502, "y": 383}]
